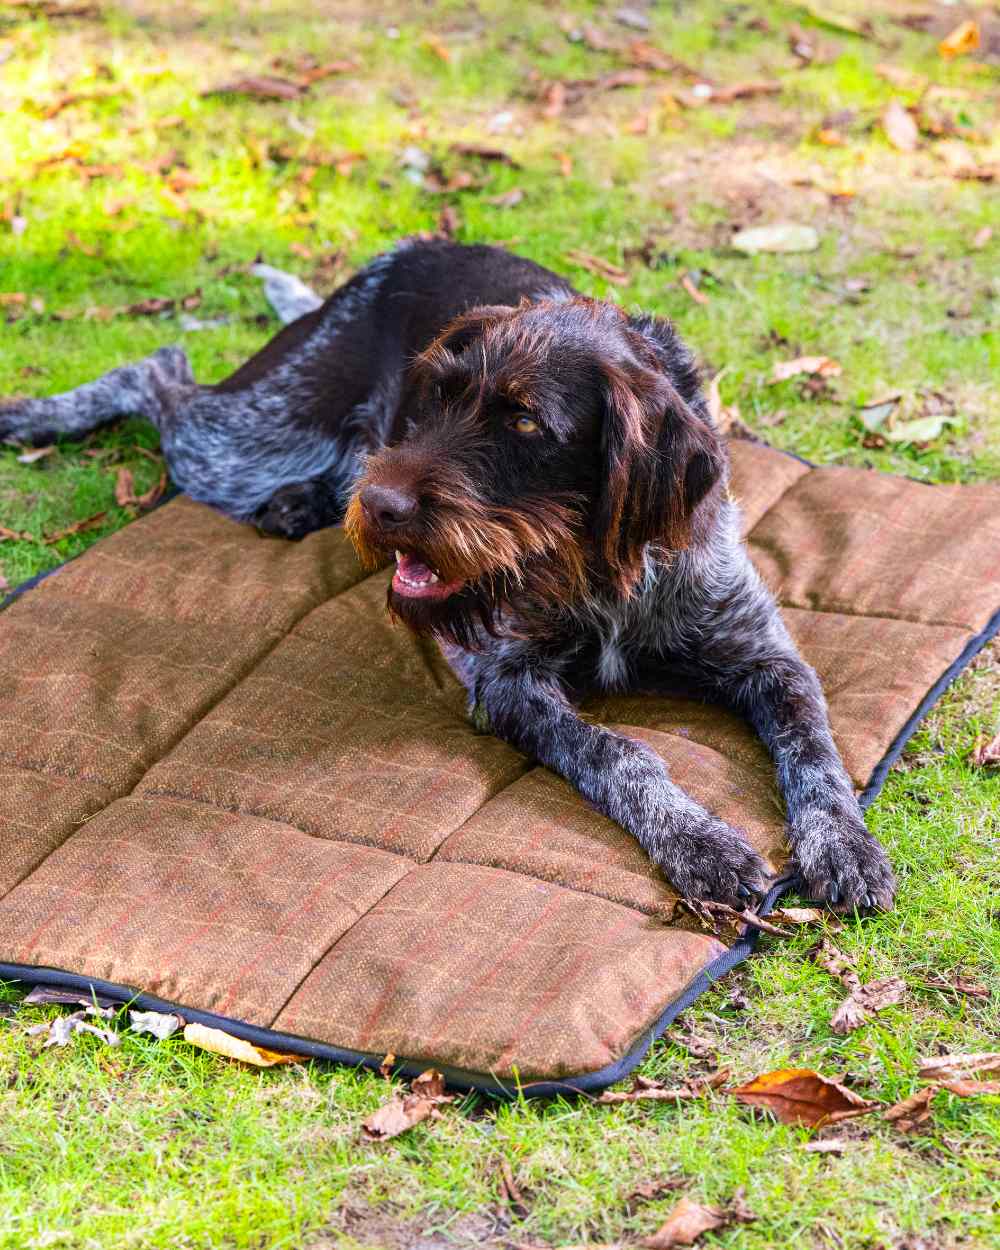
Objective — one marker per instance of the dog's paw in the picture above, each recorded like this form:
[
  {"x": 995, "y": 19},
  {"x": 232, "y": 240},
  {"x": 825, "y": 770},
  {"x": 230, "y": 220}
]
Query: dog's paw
[
  {"x": 840, "y": 863},
  {"x": 291, "y": 512},
  {"x": 707, "y": 859}
]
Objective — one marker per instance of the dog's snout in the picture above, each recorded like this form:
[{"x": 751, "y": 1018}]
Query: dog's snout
[{"x": 389, "y": 506}]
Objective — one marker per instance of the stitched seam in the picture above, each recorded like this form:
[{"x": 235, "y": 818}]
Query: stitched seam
[{"x": 241, "y": 676}]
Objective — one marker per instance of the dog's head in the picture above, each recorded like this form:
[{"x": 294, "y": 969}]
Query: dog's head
[{"x": 546, "y": 448}]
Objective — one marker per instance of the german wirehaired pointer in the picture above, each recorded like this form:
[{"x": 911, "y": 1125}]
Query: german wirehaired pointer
[{"x": 545, "y": 469}]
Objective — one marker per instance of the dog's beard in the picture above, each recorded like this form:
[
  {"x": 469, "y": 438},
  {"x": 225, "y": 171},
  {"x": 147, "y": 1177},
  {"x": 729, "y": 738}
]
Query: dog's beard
[{"x": 469, "y": 578}]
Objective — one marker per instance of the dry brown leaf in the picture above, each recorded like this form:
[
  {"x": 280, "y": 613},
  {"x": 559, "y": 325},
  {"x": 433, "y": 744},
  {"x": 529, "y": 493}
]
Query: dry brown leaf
[
  {"x": 900, "y": 128},
  {"x": 960, "y": 1066},
  {"x": 864, "y": 1001},
  {"x": 744, "y": 91},
  {"x": 509, "y": 1191},
  {"x": 449, "y": 222},
  {"x": 126, "y": 497},
  {"x": 507, "y": 199},
  {"x": 957, "y": 985},
  {"x": 807, "y": 915},
  {"x": 817, "y": 366},
  {"x": 970, "y": 1089},
  {"x": 913, "y": 1111},
  {"x": 554, "y": 100},
  {"x": 317, "y": 72},
  {"x": 386, "y": 1066},
  {"x": 964, "y": 38},
  {"x": 801, "y": 1096},
  {"x": 687, "y": 282},
  {"x": 986, "y": 754},
  {"x": 260, "y": 86},
  {"x": 596, "y": 264},
  {"x": 684, "y": 1225},
  {"x": 37, "y": 453},
  {"x": 403, "y": 1111},
  {"x": 221, "y": 1043},
  {"x": 438, "y": 47},
  {"x": 598, "y": 40},
  {"x": 645, "y": 55},
  {"x": 484, "y": 153},
  {"x": 78, "y": 527}
]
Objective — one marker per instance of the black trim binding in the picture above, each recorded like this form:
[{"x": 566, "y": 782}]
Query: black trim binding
[{"x": 460, "y": 1079}]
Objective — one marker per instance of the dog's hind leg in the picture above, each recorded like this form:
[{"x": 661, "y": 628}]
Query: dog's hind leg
[{"x": 153, "y": 388}]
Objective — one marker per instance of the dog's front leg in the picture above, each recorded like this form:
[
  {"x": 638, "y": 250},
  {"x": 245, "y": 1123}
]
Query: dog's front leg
[
  {"x": 701, "y": 856},
  {"x": 836, "y": 857}
]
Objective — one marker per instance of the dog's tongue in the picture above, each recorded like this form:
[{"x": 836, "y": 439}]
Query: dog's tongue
[{"x": 416, "y": 579}]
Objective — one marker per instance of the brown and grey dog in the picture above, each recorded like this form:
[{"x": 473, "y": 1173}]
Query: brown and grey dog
[{"x": 546, "y": 472}]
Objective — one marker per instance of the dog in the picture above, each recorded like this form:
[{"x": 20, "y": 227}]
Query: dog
[{"x": 545, "y": 473}]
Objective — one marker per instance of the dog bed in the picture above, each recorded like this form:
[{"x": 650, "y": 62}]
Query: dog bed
[{"x": 232, "y": 785}]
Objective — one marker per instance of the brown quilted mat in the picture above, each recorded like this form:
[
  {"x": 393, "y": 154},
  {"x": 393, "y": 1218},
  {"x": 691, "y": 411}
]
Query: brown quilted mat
[{"x": 231, "y": 784}]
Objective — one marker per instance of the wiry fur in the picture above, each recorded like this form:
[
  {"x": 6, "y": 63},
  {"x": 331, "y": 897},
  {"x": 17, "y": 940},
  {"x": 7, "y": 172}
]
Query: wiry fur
[{"x": 600, "y": 551}]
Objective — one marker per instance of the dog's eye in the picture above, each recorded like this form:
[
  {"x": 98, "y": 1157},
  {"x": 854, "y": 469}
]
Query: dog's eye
[{"x": 525, "y": 425}]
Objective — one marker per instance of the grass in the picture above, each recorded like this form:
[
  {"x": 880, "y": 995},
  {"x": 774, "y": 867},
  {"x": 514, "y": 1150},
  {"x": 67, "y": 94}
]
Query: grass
[{"x": 156, "y": 1145}]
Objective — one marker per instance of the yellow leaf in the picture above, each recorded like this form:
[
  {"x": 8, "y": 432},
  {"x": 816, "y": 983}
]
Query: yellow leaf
[
  {"x": 220, "y": 1043},
  {"x": 964, "y": 38}
]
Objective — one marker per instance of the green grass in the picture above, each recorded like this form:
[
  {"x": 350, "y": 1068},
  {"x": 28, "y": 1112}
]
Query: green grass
[{"x": 157, "y": 1145}]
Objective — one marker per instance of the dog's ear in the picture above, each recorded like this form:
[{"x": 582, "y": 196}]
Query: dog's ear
[
  {"x": 660, "y": 460},
  {"x": 437, "y": 367}
]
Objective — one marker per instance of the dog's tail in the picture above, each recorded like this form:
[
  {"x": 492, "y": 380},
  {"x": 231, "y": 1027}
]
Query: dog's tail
[{"x": 152, "y": 388}]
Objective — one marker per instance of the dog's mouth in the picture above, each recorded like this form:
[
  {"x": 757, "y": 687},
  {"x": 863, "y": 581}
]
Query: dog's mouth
[{"x": 413, "y": 579}]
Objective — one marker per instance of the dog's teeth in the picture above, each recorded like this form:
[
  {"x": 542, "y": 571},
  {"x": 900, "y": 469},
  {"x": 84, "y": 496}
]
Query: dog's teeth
[
  {"x": 433, "y": 578},
  {"x": 399, "y": 556}
]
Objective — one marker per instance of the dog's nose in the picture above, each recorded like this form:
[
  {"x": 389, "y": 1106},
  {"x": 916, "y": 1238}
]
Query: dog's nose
[{"x": 389, "y": 506}]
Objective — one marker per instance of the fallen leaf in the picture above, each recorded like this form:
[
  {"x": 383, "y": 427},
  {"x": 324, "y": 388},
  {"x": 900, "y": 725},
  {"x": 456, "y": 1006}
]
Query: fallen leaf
[
  {"x": 12, "y": 298},
  {"x": 839, "y": 21},
  {"x": 386, "y": 1066},
  {"x": 646, "y": 55},
  {"x": 38, "y": 453},
  {"x": 971, "y": 1089},
  {"x": 438, "y": 47},
  {"x": 484, "y": 153},
  {"x": 151, "y": 307},
  {"x": 161, "y": 1024},
  {"x": 960, "y": 1066},
  {"x": 783, "y": 237},
  {"x": 820, "y": 366},
  {"x": 261, "y": 86},
  {"x": 913, "y": 1111},
  {"x": 957, "y": 985},
  {"x": 220, "y": 1043},
  {"x": 508, "y": 199},
  {"x": 900, "y": 128},
  {"x": 687, "y": 282},
  {"x": 806, "y": 915},
  {"x": 78, "y": 527},
  {"x": 986, "y": 754},
  {"x": 315, "y": 73},
  {"x": 801, "y": 1096},
  {"x": 554, "y": 100},
  {"x": 865, "y": 1001},
  {"x": 744, "y": 91},
  {"x": 509, "y": 1191},
  {"x": 449, "y": 221},
  {"x": 403, "y": 1111},
  {"x": 829, "y": 1145},
  {"x": 635, "y": 19},
  {"x": 712, "y": 915},
  {"x": 45, "y": 994},
  {"x": 982, "y": 237},
  {"x": 126, "y": 497},
  {"x": 684, "y": 1225},
  {"x": 61, "y": 1030},
  {"x": 565, "y": 162},
  {"x": 595, "y": 264},
  {"x": 922, "y": 430},
  {"x": 964, "y": 38}
]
